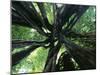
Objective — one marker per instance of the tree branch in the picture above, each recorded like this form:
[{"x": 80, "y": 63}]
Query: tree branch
[
  {"x": 16, "y": 58},
  {"x": 84, "y": 57},
  {"x": 28, "y": 15},
  {"x": 44, "y": 16}
]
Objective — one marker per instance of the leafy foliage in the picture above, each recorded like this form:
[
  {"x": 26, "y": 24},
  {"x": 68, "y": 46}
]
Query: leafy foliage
[
  {"x": 87, "y": 22},
  {"x": 24, "y": 33},
  {"x": 49, "y": 37}
]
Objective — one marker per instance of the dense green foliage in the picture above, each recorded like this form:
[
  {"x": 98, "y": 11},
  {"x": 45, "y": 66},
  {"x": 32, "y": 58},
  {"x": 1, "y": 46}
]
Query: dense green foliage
[
  {"x": 35, "y": 62},
  {"x": 24, "y": 33},
  {"x": 87, "y": 22}
]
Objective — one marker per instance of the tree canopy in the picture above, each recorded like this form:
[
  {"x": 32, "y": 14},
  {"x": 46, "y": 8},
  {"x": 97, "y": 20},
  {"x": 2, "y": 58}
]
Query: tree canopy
[{"x": 51, "y": 37}]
